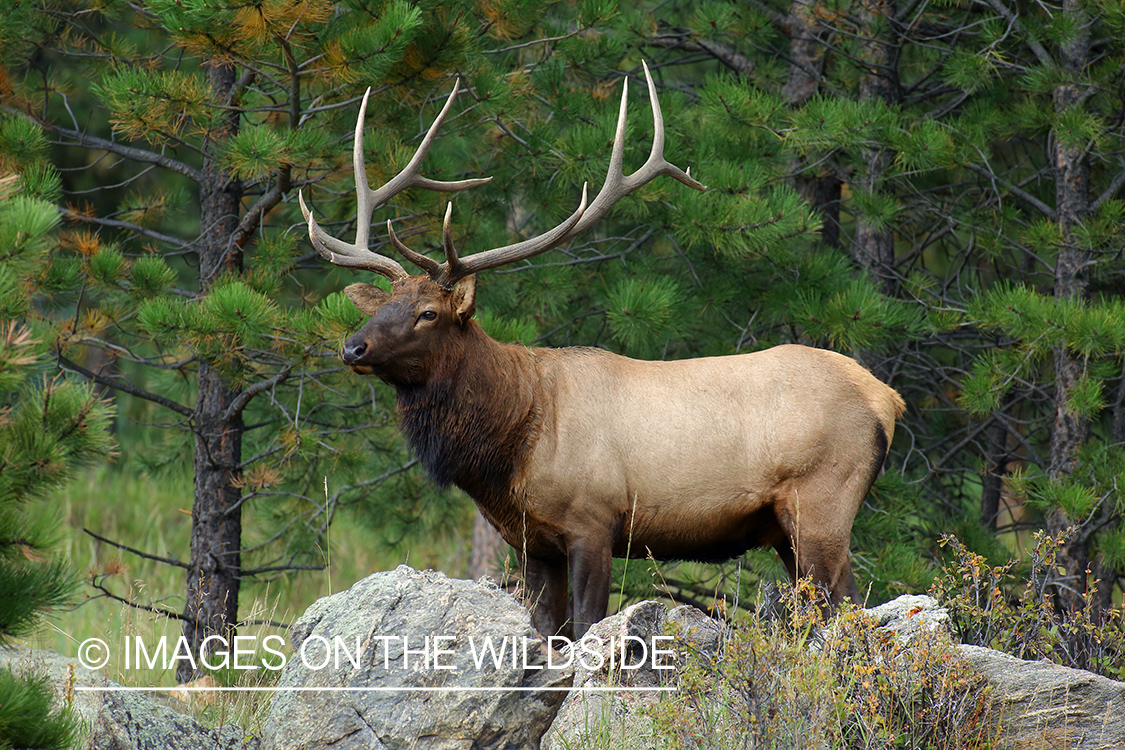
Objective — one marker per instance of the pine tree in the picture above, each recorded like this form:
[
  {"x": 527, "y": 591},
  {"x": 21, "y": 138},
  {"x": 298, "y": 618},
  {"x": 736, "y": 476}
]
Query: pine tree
[{"x": 49, "y": 427}]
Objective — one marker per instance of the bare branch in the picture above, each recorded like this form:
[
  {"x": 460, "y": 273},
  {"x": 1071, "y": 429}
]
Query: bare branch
[
  {"x": 127, "y": 226},
  {"x": 137, "y": 552},
  {"x": 169, "y": 613},
  {"x": 129, "y": 152},
  {"x": 124, "y": 386},
  {"x": 1023, "y": 195}
]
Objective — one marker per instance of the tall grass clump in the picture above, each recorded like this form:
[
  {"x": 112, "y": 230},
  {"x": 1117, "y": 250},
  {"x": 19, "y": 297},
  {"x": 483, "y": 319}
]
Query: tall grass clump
[{"x": 797, "y": 681}]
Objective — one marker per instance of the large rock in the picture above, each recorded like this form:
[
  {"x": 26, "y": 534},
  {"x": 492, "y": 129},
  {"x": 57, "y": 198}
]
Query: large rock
[
  {"x": 113, "y": 719},
  {"x": 592, "y": 716},
  {"x": 1037, "y": 705},
  {"x": 423, "y": 674}
]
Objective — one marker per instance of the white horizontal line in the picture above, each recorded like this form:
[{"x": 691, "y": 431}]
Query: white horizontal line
[{"x": 263, "y": 689}]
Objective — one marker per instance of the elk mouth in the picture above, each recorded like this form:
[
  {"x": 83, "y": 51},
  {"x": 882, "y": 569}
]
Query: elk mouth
[{"x": 354, "y": 358}]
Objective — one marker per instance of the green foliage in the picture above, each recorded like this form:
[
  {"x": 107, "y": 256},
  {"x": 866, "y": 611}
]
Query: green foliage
[
  {"x": 150, "y": 275},
  {"x": 27, "y": 224},
  {"x": 49, "y": 429},
  {"x": 336, "y": 317},
  {"x": 969, "y": 70},
  {"x": 21, "y": 143},
  {"x": 27, "y": 717},
  {"x": 856, "y": 317},
  {"x": 366, "y": 52},
  {"x": 639, "y": 312},
  {"x": 154, "y": 105}
]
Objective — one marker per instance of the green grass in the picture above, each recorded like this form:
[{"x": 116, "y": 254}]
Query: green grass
[{"x": 154, "y": 516}]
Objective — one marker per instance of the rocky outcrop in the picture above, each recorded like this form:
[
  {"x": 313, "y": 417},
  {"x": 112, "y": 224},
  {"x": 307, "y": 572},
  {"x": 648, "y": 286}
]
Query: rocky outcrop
[
  {"x": 406, "y": 659},
  {"x": 113, "y": 719},
  {"x": 1037, "y": 705},
  {"x": 910, "y": 614}
]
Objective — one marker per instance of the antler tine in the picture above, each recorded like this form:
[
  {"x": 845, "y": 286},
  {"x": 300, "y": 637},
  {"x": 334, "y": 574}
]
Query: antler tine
[
  {"x": 409, "y": 176},
  {"x": 427, "y": 264},
  {"x": 357, "y": 254},
  {"x": 341, "y": 253},
  {"x": 615, "y": 187}
]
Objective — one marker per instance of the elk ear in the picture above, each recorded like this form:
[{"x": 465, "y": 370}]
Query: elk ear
[
  {"x": 465, "y": 298},
  {"x": 366, "y": 297}
]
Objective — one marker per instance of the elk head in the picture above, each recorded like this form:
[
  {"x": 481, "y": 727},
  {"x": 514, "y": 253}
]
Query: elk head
[{"x": 421, "y": 313}]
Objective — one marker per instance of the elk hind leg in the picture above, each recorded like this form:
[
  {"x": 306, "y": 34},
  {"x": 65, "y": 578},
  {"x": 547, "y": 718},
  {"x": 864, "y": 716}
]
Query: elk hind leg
[
  {"x": 591, "y": 561},
  {"x": 816, "y": 541}
]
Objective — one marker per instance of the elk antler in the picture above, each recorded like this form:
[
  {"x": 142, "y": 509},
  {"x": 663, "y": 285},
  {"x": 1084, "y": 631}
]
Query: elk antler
[
  {"x": 358, "y": 255},
  {"x": 616, "y": 186}
]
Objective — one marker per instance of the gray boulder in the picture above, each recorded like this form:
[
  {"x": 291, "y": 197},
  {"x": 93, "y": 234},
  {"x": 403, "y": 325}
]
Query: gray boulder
[
  {"x": 405, "y": 659},
  {"x": 1037, "y": 704},
  {"x": 116, "y": 720},
  {"x": 910, "y": 614}
]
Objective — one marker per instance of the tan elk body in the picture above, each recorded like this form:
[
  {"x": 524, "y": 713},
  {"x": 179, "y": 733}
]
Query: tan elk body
[{"x": 579, "y": 455}]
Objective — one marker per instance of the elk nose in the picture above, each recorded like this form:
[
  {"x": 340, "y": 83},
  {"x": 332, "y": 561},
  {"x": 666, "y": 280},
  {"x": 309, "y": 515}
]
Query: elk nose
[{"x": 353, "y": 350}]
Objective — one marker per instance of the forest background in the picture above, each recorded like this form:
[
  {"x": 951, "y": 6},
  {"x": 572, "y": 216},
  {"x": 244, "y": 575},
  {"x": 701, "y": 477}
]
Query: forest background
[{"x": 932, "y": 188}]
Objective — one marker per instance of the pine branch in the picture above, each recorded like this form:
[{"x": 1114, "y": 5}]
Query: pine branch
[
  {"x": 728, "y": 56},
  {"x": 1013, "y": 19},
  {"x": 1023, "y": 195},
  {"x": 533, "y": 42},
  {"x": 257, "y": 213},
  {"x": 243, "y": 399},
  {"x": 269, "y": 623},
  {"x": 137, "y": 552},
  {"x": 123, "y": 386},
  {"x": 776, "y": 18},
  {"x": 1109, "y": 192},
  {"x": 248, "y": 572}
]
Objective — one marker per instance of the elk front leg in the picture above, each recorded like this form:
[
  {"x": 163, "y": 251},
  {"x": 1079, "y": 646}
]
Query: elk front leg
[
  {"x": 545, "y": 595},
  {"x": 590, "y": 563}
]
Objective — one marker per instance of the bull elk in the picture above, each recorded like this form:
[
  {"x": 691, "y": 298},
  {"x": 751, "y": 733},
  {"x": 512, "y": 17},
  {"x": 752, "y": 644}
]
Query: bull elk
[{"x": 578, "y": 455}]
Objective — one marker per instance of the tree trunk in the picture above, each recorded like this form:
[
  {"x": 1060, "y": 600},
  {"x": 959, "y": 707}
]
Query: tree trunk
[
  {"x": 215, "y": 565},
  {"x": 216, "y": 520},
  {"x": 820, "y": 188},
  {"x": 995, "y": 460},
  {"x": 1072, "y": 177},
  {"x": 874, "y": 241}
]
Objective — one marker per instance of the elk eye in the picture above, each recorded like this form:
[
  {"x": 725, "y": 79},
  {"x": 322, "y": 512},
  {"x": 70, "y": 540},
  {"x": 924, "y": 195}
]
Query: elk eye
[{"x": 428, "y": 315}]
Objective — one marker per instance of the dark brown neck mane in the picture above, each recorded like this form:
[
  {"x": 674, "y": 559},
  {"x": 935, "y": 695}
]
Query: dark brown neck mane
[{"x": 474, "y": 419}]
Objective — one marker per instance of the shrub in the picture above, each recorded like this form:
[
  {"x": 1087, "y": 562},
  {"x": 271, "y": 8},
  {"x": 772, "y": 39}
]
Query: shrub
[
  {"x": 792, "y": 682},
  {"x": 989, "y": 608}
]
